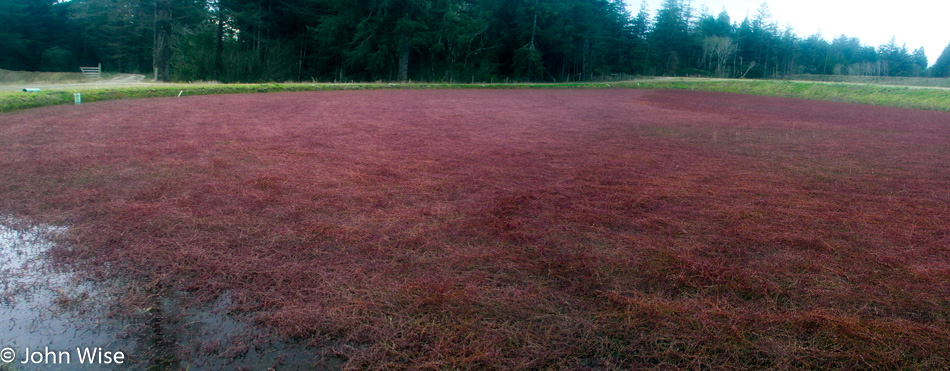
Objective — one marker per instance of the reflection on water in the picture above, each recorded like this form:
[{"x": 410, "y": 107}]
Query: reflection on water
[{"x": 46, "y": 309}]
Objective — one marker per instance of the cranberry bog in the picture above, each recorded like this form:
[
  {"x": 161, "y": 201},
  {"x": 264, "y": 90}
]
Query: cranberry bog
[{"x": 512, "y": 228}]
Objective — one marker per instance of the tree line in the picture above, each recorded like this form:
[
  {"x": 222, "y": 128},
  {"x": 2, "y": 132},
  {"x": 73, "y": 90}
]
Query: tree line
[{"x": 427, "y": 40}]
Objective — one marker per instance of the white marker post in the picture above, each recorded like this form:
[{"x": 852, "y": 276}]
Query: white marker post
[{"x": 78, "y": 98}]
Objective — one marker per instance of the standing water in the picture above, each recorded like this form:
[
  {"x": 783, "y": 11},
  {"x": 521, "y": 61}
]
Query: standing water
[{"x": 52, "y": 319}]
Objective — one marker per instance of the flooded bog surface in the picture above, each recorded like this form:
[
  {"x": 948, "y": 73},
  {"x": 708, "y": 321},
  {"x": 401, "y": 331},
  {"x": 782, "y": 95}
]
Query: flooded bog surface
[{"x": 50, "y": 318}]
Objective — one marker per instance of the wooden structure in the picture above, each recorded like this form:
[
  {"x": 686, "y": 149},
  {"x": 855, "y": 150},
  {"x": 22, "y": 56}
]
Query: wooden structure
[{"x": 92, "y": 73}]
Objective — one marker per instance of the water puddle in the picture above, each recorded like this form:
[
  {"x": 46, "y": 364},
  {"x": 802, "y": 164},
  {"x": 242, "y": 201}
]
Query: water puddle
[{"x": 50, "y": 319}]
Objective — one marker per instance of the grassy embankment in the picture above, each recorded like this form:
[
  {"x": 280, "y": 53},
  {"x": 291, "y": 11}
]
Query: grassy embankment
[
  {"x": 906, "y": 97},
  {"x": 932, "y": 82}
]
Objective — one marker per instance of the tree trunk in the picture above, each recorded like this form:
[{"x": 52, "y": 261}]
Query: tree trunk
[
  {"x": 534, "y": 28},
  {"x": 585, "y": 65},
  {"x": 163, "y": 51},
  {"x": 303, "y": 53},
  {"x": 404, "y": 59},
  {"x": 219, "y": 47}
]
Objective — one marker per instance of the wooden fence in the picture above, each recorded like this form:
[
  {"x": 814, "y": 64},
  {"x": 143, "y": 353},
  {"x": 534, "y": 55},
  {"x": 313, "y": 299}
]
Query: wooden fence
[{"x": 92, "y": 73}]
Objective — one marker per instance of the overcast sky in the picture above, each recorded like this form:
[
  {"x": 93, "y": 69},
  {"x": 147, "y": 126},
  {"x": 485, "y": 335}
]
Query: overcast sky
[{"x": 914, "y": 22}]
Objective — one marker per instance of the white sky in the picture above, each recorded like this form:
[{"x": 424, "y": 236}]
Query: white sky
[{"x": 915, "y": 23}]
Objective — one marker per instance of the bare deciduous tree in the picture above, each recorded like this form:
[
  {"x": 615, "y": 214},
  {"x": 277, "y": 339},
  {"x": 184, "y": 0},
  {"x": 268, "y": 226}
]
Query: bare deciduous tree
[{"x": 718, "y": 50}]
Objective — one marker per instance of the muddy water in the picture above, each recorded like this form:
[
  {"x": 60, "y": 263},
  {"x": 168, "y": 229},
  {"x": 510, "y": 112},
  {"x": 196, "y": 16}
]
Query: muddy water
[{"x": 50, "y": 319}]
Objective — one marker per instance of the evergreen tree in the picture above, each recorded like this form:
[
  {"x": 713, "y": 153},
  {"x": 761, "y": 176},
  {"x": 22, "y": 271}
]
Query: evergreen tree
[
  {"x": 636, "y": 32},
  {"x": 433, "y": 40},
  {"x": 920, "y": 61},
  {"x": 669, "y": 38},
  {"x": 941, "y": 67},
  {"x": 34, "y": 36}
]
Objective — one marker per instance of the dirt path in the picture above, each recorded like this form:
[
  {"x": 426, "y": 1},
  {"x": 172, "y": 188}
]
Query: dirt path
[{"x": 121, "y": 80}]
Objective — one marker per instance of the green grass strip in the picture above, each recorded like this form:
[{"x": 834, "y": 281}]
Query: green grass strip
[
  {"x": 906, "y": 97},
  {"x": 882, "y": 95}
]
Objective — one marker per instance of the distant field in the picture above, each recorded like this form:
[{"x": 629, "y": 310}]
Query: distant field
[{"x": 563, "y": 228}]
